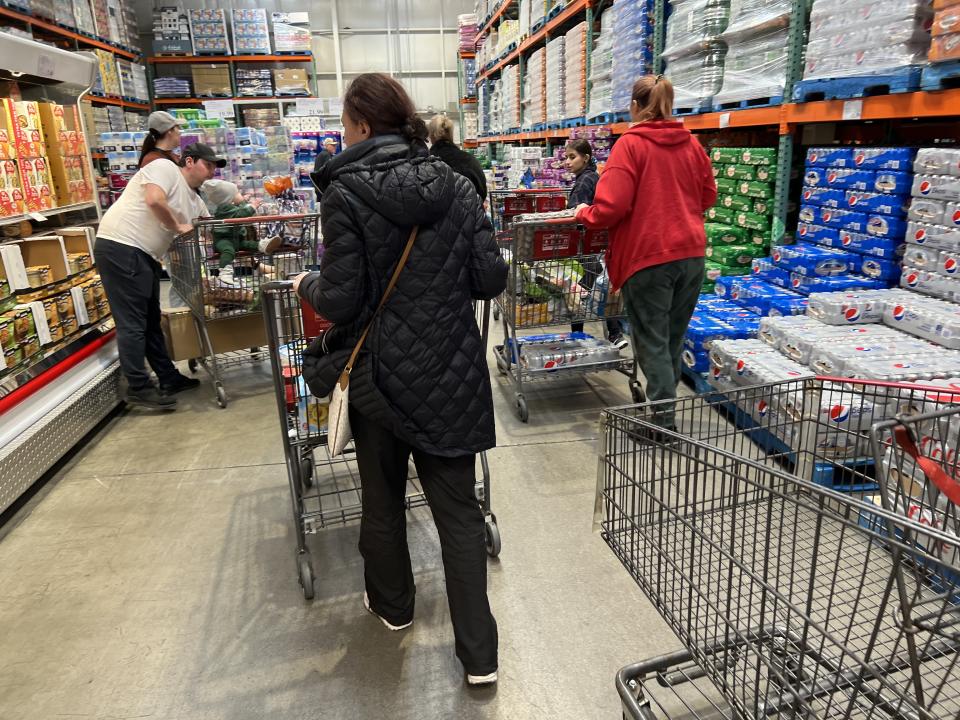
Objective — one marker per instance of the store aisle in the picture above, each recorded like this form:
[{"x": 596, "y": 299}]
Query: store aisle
[{"x": 154, "y": 577}]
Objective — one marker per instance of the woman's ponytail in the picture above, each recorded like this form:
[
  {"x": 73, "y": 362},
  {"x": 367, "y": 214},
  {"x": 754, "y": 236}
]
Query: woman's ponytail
[
  {"x": 653, "y": 95},
  {"x": 149, "y": 145},
  {"x": 414, "y": 129}
]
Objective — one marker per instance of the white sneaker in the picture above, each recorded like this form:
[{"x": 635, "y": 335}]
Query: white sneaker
[
  {"x": 482, "y": 679},
  {"x": 226, "y": 276},
  {"x": 390, "y": 626},
  {"x": 269, "y": 245}
]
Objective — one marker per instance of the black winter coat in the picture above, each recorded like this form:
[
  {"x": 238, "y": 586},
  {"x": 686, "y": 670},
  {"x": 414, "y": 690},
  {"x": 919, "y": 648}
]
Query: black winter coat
[
  {"x": 422, "y": 372},
  {"x": 463, "y": 163},
  {"x": 584, "y": 187}
]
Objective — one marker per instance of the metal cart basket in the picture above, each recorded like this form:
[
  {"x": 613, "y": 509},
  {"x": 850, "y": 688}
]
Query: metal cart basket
[
  {"x": 289, "y": 244},
  {"x": 556, "y": 278},
  {"x": 325, "y": 490},
  {"x": 791, "y": 600}
]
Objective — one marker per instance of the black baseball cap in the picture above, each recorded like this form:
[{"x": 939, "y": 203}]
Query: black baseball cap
[{"x": 200, "y": 151}]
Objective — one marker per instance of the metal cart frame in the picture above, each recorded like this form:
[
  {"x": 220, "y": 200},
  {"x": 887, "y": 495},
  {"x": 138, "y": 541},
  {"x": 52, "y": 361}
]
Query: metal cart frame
[
  {"x": 194, "y": 268},
  {"x": 324, "y": 490},
  {"x": 791, "y": 599},
  {"x": 540, "y": 254}
]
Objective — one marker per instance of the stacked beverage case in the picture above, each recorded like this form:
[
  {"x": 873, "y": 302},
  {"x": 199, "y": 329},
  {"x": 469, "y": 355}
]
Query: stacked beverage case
[{"x": 739, "y": 227}]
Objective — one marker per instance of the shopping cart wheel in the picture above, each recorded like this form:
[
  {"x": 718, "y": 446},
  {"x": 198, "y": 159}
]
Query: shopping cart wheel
[
  {"x": 221, "y": 397},
  {"x": 306, "y": 575},
  {"x": 491, "y": 534},
  {"x": 192, "y": 364},
  {"x": 522, "y": 411},
  {"x": 636, "y": 391},
  {"x": 306, "y": 473}
]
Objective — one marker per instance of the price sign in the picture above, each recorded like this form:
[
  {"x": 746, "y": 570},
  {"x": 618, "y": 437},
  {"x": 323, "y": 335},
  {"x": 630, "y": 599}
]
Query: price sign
[
  {"x": 221, "y": 109},
  {"x": 313, "y": 107},
  {"x": 853, "y": 109}
]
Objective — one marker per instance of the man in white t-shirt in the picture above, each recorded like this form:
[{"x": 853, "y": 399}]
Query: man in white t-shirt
[{"x": 159, "y": 203}]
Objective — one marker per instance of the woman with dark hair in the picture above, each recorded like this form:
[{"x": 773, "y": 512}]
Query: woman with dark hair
[
  {"x": 420, "y": 385},
  {"x": 652, "y": 195},
  {"x": 163, "y": 137}
]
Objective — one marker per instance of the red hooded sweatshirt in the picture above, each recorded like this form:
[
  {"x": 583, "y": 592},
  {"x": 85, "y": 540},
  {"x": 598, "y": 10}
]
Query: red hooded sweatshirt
[{"x": 652, "y": 195}]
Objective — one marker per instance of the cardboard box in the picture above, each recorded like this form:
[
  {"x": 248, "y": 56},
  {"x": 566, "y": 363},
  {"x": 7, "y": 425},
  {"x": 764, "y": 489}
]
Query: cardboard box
[
  {"x": 11, "y": 189},
  {"x": 211, "y": 80},
  {"x": 46, "y": 250},
  {"x": 226, "y": 334},
  {"x": 291, "y": 81},
  {"x": 38, "y": 191},
  {"x": 28, "y": 133},
  {"x": 8, "y": 135},
  {"x": 62, "y": 130}
]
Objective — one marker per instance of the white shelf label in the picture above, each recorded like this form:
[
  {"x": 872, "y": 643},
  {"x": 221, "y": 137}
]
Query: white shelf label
[
  {"x": 314, "y": 107},
  {"x": 221, "y": 109},
  {"x": 724, "y": 121},
  {"x": 39, "y": 217},
  {"x": 852, "y": 109}
]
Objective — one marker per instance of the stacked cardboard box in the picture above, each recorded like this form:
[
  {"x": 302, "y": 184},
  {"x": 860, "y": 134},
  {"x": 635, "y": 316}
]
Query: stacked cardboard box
[
  {"x": 68, "y": 153},
  {"x": 32, "y": 161},
  {"x": 209, "y": 30}
]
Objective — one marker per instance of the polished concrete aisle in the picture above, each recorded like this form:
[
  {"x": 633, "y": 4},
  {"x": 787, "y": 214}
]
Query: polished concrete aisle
[{"x": 154, "y": 577}]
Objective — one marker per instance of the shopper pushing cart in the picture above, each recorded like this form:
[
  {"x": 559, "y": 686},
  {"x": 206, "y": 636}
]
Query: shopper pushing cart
[{"x": 420, "y": 385}]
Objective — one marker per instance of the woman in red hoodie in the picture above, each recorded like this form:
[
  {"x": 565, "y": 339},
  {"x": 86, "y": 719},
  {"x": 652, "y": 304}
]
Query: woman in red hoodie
[{"x": 652, "y": 195}]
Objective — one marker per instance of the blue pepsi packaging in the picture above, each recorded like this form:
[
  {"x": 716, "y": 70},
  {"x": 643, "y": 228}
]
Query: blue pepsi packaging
[
  {"x": 804, "y": 259},
  {"x": 880, "y": 269},
  {"x": 843, "y": 219},
  {"x": 892, "y": 183},
  {"x": 830, "y": 156},
  {"x": 824, "y": 197},
  {"x": 764, "y": 269},
  {"x": 704, "y": 329},
  {"x": 699, "y": 362},
  {"x": 806, "y": 284},
  {"x": 886, "y": 248},
  {"x": 840, "y": 178},
  {"x": 884, "y": 226},
  {"x": 709, "y": 303},
  {"x": 863, "y": 202},
  {"x": 808, "y": 232},
  {"x": 745, "y": 324},
  {"x": 884, "y": 158}
]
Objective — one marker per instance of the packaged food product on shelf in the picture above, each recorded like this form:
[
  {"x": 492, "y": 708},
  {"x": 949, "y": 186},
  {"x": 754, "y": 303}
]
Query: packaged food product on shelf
[
  {"x": 555, "y": 74},
  {"x": 755, "y": 68},
  {"x": 631, "y": 48},
  {"x": 291, "y": 32},
  {"x": 601, "y": 67},
  {"x": 251, "y": 34},
  {"x": 208, "y": 28}
]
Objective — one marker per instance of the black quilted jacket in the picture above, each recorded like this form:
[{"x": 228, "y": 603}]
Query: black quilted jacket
[{"x": 422, "y": 372}]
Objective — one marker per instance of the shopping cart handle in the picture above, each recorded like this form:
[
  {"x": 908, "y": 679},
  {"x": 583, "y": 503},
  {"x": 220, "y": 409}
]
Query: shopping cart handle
[
  {"x": 930, "y": 467},
  {"x": 277, "y": 285},
  {"x": 251, "y": 220}
]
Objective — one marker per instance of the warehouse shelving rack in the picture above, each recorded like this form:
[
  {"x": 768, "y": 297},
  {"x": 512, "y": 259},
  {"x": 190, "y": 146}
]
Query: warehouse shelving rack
[{"x": 787, "y": 120}]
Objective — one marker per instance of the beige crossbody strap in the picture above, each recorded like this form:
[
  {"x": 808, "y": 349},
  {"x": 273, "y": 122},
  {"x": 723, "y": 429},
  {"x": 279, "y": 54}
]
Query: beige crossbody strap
[{"x": 386, "y": 294}]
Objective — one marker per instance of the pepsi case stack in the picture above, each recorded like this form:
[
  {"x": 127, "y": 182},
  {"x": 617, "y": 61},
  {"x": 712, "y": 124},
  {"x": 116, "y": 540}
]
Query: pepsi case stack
[
  {"x": 932, "y": 257},
  {"x": 854, "y": 204},
  {"x": 715, "y": 318}
]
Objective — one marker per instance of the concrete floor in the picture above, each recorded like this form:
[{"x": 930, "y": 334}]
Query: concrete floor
[{"x": 154, "y": 577}]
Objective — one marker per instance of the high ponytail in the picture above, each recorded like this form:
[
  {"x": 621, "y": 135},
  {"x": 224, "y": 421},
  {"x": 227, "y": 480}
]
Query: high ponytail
[
  {"x": 149, "y": 145},
  {"x": 653, "y": 95},
  {"x": 383, "y": 103}
]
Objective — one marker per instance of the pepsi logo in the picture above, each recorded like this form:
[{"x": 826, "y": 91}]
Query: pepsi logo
[
  {"x": 826, "y": 215},
  {"x": 803, "y": 232},
  {"x": 898, "y": 312},
  {"x": 913, "y": 279},
  {"x": 807, "y": 194},
  {"x": 741, "y": 366},
  {"x": 813, "y": 157},
  {"x": 859, "y": 158},
  {"x": 902, "y": 366},
  {"x": 956, "y": 217},
  {"x": 795, "y": 282},
  {"x": 853, "y": 200},
  {"x": 852, "y": 314},
  {"x": 925, "y": 187},
  {"x": 920, "y": 236},
  {"x": 846, "y": 239},
  {"x": 950, "y": 265},
  {"x": 735, "y": 295},
  {"x": 756, "y": 269},
  {"x": 777, "y": 256},
  {"x": 839, "y": 413},
  {"x": 861, "y": 54},
  {"x": 792, "y": 373},
  {"x": 831, "y": 177},
  {"x": 762, "y": 408}
]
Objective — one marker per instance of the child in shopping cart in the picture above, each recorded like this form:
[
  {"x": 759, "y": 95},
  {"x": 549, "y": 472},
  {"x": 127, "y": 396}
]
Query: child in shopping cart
[
  {"x": 228, "y": 203},
  {"x": 578, "y": 159}
]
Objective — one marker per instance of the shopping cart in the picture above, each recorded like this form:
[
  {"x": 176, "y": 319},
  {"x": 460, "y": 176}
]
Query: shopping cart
[
  {"x": 213, "y": 302},
  {"x": 791, "y": 599},
  {"x": 556, "y": 278},
  {"x": 325, "y": 490}
]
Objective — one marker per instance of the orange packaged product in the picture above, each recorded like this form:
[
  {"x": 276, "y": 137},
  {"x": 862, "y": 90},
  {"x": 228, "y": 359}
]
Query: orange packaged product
[
  {"x": 945, "y": 47},
  {"x": 946, "y": 21}
]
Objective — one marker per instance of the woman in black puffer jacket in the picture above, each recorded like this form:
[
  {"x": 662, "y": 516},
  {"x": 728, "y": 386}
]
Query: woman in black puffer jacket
[{"x": 421, "y": 384}]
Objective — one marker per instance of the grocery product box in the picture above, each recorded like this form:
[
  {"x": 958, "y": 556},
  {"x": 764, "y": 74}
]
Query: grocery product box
[
  {"x": 11, "y": 189},
  {"x": 212, "y": 80},
  {"x": 24, "y": 118},
  {"x": 45, "y": 261},
  {"x": 38, "y": 193},
  {"x": 62, "y": 130},
  {"x": 71, "y": 179},
  {"x": 291, "y": 81},
  {"x": 226, "y": 334}
]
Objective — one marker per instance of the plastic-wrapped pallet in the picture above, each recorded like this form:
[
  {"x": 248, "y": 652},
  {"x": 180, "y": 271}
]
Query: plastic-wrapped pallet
[
  {"x": 511, "y": 96},
  {"x": 861, "y": 37},
  {"x": 632, "y": 48},
  {"x": 601, "y": 68},
  {"x": 524, "y": 18},
  {"x": 757, "y": 42},
  {"x": 556, "y": 80},
  {"x": 946, "y": 32},
  {"x": 534, "y": 105},
  {"x": 467, "y": 31},
  {"x": 694, "y": 51},
  {"x": 469, "y": 129},
  {"x": 575, "y": 70}
]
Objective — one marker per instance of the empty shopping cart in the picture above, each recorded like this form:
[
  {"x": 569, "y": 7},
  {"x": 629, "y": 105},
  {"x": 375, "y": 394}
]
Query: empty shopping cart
[
  {"x": 326, "y": 490},
  {"x": 791, "y": 600}
]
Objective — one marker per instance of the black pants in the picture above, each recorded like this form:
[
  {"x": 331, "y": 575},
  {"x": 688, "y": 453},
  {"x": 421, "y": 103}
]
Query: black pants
[
  {"x": 448, "y": 484},
  {"x": 131, "y": 279}
]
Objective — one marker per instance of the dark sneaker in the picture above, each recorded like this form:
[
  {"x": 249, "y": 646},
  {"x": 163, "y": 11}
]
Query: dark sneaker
[
  {"x": 179, "y": 384},
  {"x": 149, "y": 397},
  {"x": 618, "y": 341}
]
